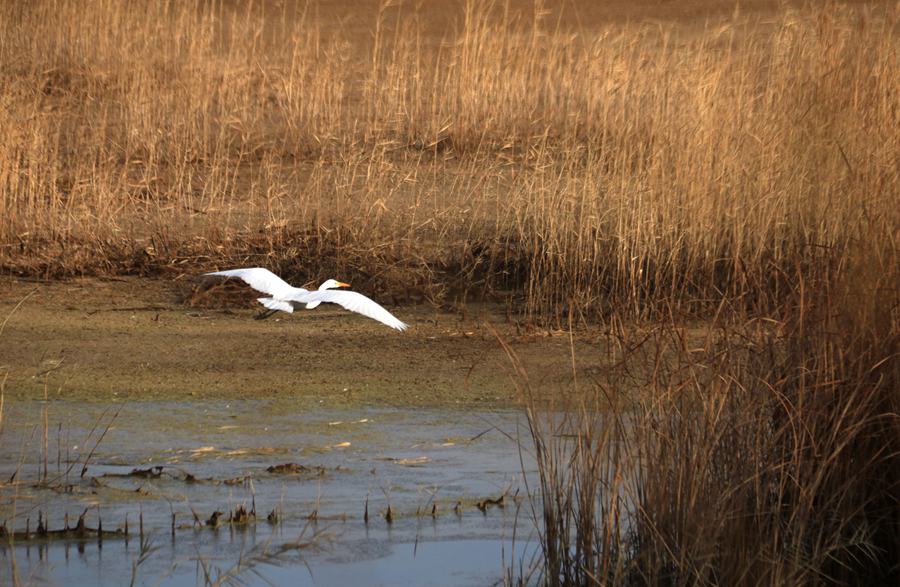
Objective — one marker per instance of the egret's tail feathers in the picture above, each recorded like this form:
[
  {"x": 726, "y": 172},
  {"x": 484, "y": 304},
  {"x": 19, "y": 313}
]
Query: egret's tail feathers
[
  {"x": 312, "y": 305},
  {"x": 274, "y": 304}
]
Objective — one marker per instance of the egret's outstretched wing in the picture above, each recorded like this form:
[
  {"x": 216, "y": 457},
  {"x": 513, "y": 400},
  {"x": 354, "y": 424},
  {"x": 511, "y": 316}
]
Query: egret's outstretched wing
[
  {"x": 261, "y": 280},
  {"x": 355, "y": 302},
  {"x": 276, "y": 305}
]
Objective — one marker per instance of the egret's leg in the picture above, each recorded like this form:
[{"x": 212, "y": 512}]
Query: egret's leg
[{"x": 264, "y": 315}]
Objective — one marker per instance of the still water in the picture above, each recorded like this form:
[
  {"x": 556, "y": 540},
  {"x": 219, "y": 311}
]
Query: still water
[{"x": 357, "y": 496}]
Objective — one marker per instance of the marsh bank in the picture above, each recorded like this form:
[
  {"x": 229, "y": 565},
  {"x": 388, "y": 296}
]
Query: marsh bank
[{"x": 154, "y": 339}]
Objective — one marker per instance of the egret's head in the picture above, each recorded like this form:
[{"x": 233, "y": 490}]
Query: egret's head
[{"x": 333, "y": 283}]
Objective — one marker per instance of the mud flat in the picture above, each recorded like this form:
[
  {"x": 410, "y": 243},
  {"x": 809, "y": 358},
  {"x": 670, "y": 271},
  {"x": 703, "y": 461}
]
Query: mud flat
[{"x": 132, "y": 338}]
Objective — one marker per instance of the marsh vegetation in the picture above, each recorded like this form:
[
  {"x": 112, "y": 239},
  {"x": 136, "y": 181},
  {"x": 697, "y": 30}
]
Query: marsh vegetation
[{"x": 729, "y": 173}]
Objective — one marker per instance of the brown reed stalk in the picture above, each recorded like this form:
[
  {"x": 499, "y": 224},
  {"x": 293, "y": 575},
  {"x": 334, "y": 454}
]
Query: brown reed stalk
[{"x": 754, "y": 451}]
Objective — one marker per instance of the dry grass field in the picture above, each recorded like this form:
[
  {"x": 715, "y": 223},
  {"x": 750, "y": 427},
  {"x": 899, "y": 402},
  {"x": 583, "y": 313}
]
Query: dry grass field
[
  {"x": 585, "y": 163},
  {"x": 586, "y": 158}
]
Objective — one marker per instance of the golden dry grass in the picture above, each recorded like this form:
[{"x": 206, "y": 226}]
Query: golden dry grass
[
  {"x": 587, "y": 164},
  {"x": 766, "y": 452}
]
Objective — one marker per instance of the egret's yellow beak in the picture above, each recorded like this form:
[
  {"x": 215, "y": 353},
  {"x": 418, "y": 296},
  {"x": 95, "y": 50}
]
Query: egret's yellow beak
[{"x": 342, "y": 284}]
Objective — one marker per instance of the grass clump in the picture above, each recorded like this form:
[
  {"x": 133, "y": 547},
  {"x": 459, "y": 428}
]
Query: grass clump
[{"x": 760, "y": 451}]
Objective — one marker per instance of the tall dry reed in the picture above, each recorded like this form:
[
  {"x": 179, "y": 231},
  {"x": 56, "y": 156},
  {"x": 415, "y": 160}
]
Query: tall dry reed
[
  {"x": 755, "y": 452},
  {"x": 595, "y": 166}
]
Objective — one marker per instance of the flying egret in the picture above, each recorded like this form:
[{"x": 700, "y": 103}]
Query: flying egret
[{"x": 284, "y": 295}]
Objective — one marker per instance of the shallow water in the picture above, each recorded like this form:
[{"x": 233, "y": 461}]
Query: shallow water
[{"x": 433, "y": 468}]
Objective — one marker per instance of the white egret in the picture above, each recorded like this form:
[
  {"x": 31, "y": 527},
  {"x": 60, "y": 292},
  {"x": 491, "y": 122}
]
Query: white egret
[{"x": 284, "y": 295}]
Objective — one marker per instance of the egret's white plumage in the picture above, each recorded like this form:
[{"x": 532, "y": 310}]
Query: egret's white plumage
[
  {"x": 273, "y": 304},
  {"x": 263, "y": 280},
  {"x": 285, "y": 295},
  {"x": 355, "y": 302}
]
